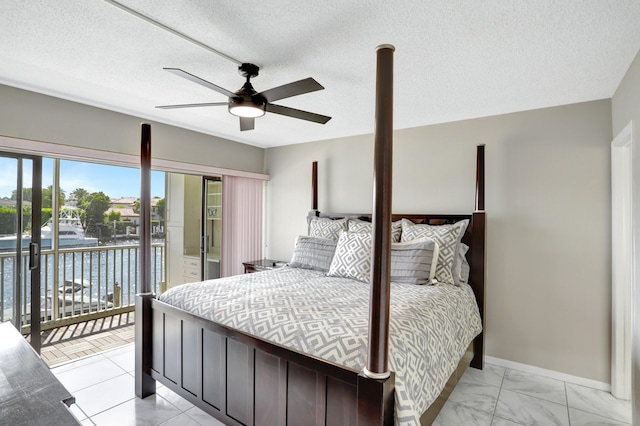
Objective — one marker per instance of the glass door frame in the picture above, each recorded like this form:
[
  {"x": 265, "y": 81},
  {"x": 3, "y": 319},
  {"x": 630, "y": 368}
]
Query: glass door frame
[
  {"x": 207, "y": 236},
  {"x": 34, "y": 246}
]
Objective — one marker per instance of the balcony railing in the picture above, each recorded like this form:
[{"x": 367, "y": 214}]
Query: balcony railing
[{"x": 83, "y": 284}]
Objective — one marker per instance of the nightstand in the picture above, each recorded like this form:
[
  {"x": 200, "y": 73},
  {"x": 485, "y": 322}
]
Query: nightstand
[{"x": 262, "y": 265}]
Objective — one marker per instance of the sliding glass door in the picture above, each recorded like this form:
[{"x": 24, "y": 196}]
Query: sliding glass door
[{"x": 20, "y": 241}]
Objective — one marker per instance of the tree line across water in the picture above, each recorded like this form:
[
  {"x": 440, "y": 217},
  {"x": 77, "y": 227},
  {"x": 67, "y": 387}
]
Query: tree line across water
[{"x": 90, "y": 207}]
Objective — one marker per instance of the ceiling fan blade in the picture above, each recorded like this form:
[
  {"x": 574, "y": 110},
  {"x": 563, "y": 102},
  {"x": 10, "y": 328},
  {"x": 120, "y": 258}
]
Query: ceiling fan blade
[
  {"x": 292, "y": 89},
  {"x": 193, "y": 105},
  {"x": 247, "y": 123},
  {"x": 296, "y": 113},
  {"x": 198, "y": 80}
]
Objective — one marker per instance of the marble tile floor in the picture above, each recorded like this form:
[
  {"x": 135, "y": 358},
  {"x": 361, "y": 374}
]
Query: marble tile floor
[
  {"x": 103, "y": 385},
  {"x": 497, "y": 396}
]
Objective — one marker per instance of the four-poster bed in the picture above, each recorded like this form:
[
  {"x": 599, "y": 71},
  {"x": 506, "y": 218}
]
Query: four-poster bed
[{"x": 243, "y": 379}]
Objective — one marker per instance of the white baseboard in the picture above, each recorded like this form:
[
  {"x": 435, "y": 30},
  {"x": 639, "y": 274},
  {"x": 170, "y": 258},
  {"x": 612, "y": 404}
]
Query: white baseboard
[{"x": 594, "y": 384}]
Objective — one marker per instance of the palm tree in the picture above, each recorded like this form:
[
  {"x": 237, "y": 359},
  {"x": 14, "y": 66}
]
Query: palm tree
[
  {"x": 47, "y": 197},
  {"x": 79, "y": 194}
]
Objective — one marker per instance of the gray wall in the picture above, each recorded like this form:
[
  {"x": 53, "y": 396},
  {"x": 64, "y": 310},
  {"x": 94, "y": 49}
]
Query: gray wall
[
  {"x": 33, "y": 116},
  {"x": 548, "y": 208}
]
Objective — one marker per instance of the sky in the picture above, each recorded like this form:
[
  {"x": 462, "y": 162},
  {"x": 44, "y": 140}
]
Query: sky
[{"x": 115, "y": 181}]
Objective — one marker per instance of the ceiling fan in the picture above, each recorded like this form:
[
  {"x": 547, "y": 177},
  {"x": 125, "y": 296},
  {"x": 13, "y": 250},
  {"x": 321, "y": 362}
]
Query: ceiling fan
[{"x": 248, "y": 104}]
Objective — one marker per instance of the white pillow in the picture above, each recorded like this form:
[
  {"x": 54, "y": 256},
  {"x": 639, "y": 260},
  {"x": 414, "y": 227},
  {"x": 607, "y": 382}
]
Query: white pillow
[{"x": 462, "y": 266}]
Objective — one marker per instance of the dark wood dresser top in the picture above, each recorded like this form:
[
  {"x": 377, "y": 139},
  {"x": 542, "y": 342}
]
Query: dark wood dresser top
[{"x": 29, "y": 392}]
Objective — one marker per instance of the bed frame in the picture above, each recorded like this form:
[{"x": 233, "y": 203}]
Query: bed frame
[{"x": 241, "y": 379}]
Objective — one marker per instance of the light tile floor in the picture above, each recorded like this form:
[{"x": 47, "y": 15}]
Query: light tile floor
[
  {"x": 497, "y": 396},
  {"x": 103, "y": 385}
]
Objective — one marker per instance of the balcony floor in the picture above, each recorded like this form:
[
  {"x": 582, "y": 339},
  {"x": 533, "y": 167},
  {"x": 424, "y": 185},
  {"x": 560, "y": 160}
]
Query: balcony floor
[{"x": 64, "y": 344}]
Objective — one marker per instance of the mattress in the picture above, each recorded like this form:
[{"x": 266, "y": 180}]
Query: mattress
[{"x": 328, "y": 317}]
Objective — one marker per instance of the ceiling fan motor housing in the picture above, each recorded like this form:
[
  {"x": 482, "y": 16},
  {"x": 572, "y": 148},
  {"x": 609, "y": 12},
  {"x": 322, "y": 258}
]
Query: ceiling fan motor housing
[{"x": 248, "y": 70}]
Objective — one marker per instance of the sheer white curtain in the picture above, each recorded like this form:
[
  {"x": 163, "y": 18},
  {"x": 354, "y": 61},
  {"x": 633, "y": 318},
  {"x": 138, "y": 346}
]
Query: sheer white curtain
[{"x": 241, "y": 223}]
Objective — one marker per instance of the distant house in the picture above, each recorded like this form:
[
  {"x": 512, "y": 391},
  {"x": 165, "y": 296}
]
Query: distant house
[
  {"x": 127, "y": 207},
  {"x": 5, "y": 202}
]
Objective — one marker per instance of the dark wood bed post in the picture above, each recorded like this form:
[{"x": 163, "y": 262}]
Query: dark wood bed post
[
  {"x": 480, "y": 178},
  {"x": 377, "y": 362},
  {"x": 380, "y": 291},
  {"x": 314, "y": 193},
  {"x": 478, "y": 255},
  {"x": 314, "y": 185},
  {"x": 145, "y": 384}
]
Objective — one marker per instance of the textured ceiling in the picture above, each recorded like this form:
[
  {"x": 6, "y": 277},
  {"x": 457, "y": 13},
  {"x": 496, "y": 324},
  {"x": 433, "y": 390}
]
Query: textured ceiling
[{"x": 454, "y": 60}]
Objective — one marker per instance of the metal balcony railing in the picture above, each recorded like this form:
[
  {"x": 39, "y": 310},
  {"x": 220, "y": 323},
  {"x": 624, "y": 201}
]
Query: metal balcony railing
[{"x": 83, "y": 284}]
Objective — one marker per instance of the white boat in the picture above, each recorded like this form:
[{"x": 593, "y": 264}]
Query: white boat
[
  {"x": 72, "y": 300},
  {"x": 70, "y": 234}
]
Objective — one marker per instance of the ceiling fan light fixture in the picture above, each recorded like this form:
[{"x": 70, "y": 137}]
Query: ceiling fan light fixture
[
  {"x": 246, "y": 104},
  {"x": 247, "y": 110}
]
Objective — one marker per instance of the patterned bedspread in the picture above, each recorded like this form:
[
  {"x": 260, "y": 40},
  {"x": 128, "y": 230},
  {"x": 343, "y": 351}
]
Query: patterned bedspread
[{"x": 430, "y": 329}]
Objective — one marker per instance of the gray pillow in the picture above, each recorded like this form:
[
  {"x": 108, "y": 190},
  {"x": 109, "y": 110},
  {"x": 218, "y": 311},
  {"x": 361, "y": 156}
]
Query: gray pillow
[
  {"x": 414, "y": 262},
  {"x": 448, "y": 238},
  {"x": 324, "y": 227},
  {"x": 313, "y": 253}
]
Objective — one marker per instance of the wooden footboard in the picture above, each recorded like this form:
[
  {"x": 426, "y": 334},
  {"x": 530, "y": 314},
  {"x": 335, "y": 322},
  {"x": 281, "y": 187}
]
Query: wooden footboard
[{"x": 242, "y": 380}]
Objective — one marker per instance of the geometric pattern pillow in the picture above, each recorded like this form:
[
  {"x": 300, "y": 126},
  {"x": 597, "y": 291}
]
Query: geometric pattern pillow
[
  {"x": 352, "y": 258},
  {"x": 448, "y": 238},
  {"x": 396, "y": 231},
  {"x": 324, "y": 227},
  {"x": 357, "y": 225},
  {"x": 313, "y": 253}
]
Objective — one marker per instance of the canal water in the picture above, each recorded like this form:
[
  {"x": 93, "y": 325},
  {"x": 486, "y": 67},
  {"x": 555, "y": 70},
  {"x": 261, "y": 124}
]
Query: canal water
[{"x": 100, "y": 269}]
